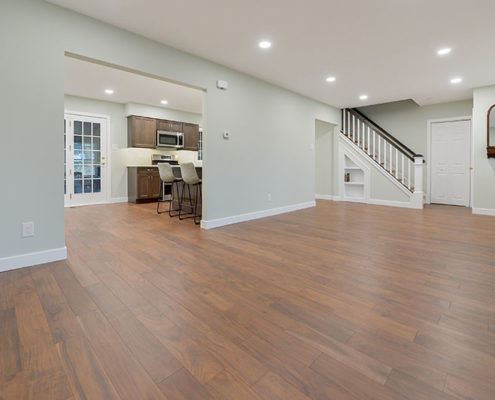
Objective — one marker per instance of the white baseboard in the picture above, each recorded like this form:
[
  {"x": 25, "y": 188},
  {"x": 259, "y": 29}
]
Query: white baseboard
[
  {"x": 119, "y": 200},
  {"x": 215, "y": 223},
  {"x": 325, "y": 197},
  {"x": 484, "y": 211},
  {"x": 391, "y": 203},
  {"x": 27, "y": 260}
]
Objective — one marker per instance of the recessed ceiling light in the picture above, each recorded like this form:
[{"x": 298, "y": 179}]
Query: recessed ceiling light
[
  {"x": 164, "y": 102},
  {"x": 109, "y": 91},
  {"x": 445, "y": 51},
  {"x": 265, "y": 44},
  {"x": 331, "y": 79},
  {"x": 456, "y": 80},
  {"x": 363, "y": 97}
]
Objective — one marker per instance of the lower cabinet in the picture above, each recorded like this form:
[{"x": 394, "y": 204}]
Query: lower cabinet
[{"x": 143, "y": 184}]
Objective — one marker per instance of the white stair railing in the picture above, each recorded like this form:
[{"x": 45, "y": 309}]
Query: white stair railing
[{"x": 400, "y": 162}]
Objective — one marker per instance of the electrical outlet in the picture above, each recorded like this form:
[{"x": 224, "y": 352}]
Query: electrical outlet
[
  {"x": 269, "y": 196},
  {"x": 27, "y": 229}
]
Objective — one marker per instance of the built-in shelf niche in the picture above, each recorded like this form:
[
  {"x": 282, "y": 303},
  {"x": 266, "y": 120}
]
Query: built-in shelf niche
[{"x": 354, "y": 186}]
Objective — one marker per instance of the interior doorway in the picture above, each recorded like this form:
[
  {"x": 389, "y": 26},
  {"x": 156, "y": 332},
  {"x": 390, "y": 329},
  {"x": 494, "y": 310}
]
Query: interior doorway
[
  {"x": 449, "y": 150},
  {"x": 324, "y": 160}
]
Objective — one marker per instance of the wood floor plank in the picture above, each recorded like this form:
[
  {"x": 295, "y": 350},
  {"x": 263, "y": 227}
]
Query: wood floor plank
[
  {"x": 86, "y": 376},
  {"x": 44, "y": 376},
  {"x": 352, "y": 381},
  {"x": 226, "y": 386},
  {"x": 77, "y": 298},
  {"x": 126, "y": 374},
  {"x": 183, "y": 386},
  {"x": 412, "y": 389},
  {"x": 147, "y": 349},
  {"x": 273, "y": 387},
  {"x": 463, "y": 389},
  {"x": 10, "y": 359},
  {"x": 304, "y": 379}
]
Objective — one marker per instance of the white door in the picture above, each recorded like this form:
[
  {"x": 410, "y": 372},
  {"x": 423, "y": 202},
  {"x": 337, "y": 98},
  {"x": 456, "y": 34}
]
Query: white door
[
  {"x": 85, "y": 166},
  {"x": 450, "y": 162}
]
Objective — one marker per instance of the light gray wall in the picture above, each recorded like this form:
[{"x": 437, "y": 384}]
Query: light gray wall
[
  {"x": 325, "y": 161},
  {"x": 408, "y": 122},
  {"x": 271, "y": 127},
  {"x": 484, "y": 168},
  {"x": 381, "y": 188},
  {"x": 121, "y": 156}
]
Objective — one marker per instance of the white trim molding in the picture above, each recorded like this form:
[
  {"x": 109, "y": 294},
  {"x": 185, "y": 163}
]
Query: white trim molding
[
  {"x": 215, "y": 223},
  {"x": 393, "y": 203},
  {"x": 30, "y": 259},
  {"x": 325, "y": 197},
  {"x": 119, "y": 200},
  {"x": 484, "y": 211}
]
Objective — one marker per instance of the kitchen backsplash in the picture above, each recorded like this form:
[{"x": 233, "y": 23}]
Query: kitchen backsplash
[{"x": 137, "y": 156}]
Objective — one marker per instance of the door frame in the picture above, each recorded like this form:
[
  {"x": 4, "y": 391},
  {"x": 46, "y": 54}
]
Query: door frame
[
  {"x": 108, "y": 173},
  {"x": 430, "y": 123}
]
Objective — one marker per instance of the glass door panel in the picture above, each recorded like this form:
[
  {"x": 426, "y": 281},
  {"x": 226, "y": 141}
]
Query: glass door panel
[{"x": 85, "y": 143}]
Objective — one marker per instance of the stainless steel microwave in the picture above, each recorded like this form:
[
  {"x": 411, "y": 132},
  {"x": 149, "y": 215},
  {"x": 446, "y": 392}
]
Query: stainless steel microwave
[{"x": 165, "y": 139}]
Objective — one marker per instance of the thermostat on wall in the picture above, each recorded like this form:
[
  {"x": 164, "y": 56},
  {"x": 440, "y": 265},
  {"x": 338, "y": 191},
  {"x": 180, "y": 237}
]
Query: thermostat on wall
[{"x": 222, "y": 85}]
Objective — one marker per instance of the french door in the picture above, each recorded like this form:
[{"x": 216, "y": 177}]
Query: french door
[{"x": 85, "y": 161}]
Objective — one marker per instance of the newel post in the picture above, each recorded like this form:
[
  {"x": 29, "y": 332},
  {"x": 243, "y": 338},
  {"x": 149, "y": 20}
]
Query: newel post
[{"x": 418, "y": 194}]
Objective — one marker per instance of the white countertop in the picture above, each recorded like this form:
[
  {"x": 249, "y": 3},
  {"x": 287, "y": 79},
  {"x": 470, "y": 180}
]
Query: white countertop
[{"x": 156, "y": 166}]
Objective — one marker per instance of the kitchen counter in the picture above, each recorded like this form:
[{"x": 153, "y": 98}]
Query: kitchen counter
[
  {"x": 156, "y": 166},
  {"x": 143, "y": 182}
]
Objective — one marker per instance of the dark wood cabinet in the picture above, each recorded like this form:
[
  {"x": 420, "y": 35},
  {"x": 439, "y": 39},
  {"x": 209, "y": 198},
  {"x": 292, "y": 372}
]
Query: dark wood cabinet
[
  {"x": 170, "y": 126},
  {"x": 191, "y": 136},
  {"x": 141, "y": 132},
  {"x": 143, "y": 184}
]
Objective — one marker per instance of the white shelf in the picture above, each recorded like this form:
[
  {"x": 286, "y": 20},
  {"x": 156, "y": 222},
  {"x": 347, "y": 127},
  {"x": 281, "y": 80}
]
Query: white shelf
[{"x": 354, "y": 189}]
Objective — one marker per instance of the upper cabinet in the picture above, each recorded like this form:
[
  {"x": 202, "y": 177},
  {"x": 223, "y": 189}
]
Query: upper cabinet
[
  {"x": 141, "y": 132},
  {"x": 191, "y": 136},
  {"x": 170, "y": 126}
]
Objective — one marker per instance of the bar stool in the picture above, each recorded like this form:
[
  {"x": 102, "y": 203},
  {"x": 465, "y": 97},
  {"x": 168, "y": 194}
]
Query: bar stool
[
  {"x": 167, "y": 177},
  {"x": 191, "y": 178}
]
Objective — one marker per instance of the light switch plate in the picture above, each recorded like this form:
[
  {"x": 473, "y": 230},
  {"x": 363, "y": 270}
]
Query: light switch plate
[{"x": 27, "y": 229}]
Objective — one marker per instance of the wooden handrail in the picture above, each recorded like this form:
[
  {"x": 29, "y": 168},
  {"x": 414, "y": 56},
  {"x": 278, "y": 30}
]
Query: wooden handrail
[{"x": 401, "y": 146}]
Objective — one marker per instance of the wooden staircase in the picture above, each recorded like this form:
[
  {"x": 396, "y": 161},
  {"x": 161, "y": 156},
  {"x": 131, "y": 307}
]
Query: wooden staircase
[{"x": 393, "y": 157}]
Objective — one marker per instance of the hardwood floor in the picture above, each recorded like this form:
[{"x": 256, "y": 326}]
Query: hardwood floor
[{"x": 343, "y": 301}]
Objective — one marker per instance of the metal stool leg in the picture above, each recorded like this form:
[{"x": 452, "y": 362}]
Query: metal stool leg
[
  {"x": 170, "y": 209},
  {"x": 160, "y": 197}
]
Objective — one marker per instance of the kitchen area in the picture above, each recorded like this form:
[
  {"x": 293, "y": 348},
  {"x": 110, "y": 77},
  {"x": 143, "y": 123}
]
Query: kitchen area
[{"x": 119, "y": 127}]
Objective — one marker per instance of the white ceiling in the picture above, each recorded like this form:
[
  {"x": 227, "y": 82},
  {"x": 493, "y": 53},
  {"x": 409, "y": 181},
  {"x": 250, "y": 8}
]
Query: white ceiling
[
  {"x": 87, "y": 79},
  {"x": 383, "y": 48}
]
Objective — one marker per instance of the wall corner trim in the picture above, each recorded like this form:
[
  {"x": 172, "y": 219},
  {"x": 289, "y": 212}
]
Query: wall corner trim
[
  {"x": 484, "y": 211},
  {"x": 30, "y": 259},
  {"x": 215, "y": 223}
]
